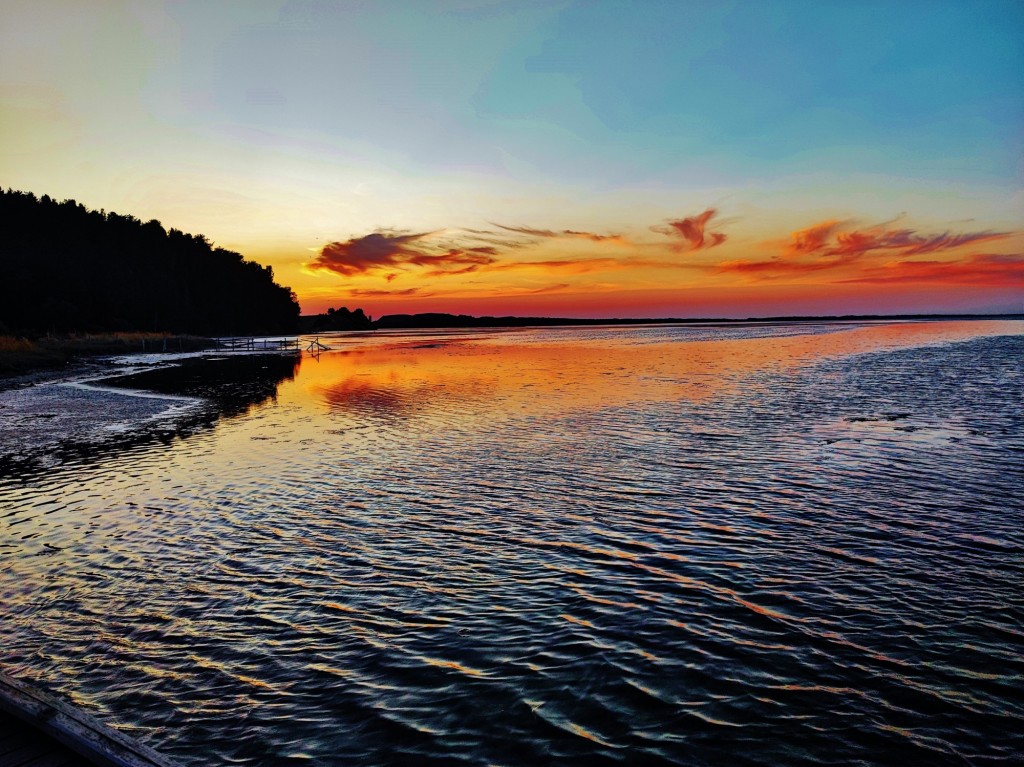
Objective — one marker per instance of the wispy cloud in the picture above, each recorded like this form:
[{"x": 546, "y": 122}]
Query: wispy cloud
[
  {"x": 693, "y": 231},
  {"x": 567, "y": 266},
  {"x": 978, "y": 269},
  {"x": 774, "y": 267},
  {"x": 547, "y": 289},
  {"x": 564, "y": 234},
  {"x": 452, "y": 251},
  {"x": 597, "y": 264},
  {"x": 812, "y": 239},
  {"x": 372, "y": 293},
  {"x": 836, "y": 238},
  {"x": 869, "y": 252},
  {"x": 390, "y": 250}
]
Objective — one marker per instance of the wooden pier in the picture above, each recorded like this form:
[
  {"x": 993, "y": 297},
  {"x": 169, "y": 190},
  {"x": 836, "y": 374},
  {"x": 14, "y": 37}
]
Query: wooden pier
[
  {"x": 37, "y": 730},
  {"x": 250, "y": 344},
  {"x": 258, "y": 344}
]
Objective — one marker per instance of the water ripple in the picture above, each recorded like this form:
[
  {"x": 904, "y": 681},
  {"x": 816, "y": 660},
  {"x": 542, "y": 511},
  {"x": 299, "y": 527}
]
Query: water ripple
[{"x": 549, "y": 547}]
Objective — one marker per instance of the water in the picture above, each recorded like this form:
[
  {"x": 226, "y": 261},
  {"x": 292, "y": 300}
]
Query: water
[{"x": 766, "y": 545}]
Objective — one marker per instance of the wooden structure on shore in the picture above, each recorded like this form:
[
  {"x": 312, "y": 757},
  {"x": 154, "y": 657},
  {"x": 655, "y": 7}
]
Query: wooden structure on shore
[
  {"x": 250, "y": 344},
  {"x": 37, "y": 730}
]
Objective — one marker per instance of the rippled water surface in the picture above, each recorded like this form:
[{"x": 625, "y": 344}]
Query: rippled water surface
[{"x": 769, "y": 545}]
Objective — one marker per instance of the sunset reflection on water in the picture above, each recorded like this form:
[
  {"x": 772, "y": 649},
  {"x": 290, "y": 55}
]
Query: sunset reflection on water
[
  {"x": 629, "y": 545},
  {"x": 533, "y": 371}
]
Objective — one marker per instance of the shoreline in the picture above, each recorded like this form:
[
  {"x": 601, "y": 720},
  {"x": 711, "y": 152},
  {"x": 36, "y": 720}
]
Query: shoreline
[
  {"x": 95, "y": 405},
  {"x": 442, "y": 320},
  {"x": 24, "y": 362}
]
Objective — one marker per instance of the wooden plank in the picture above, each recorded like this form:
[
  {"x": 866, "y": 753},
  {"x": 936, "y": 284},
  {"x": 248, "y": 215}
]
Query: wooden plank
[{"x": 84, "y": 735}]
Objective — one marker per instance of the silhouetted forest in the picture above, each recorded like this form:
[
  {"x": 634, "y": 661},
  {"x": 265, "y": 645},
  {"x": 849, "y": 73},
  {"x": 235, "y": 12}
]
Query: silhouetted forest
[
  {"x": 65, "y": 268},
  {"x": 335, "y": 319},
  {"x": 441, "y": 320}
]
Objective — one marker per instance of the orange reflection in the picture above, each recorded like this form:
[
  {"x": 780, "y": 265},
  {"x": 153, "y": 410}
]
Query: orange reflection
[{"x": 533, "y": 372}]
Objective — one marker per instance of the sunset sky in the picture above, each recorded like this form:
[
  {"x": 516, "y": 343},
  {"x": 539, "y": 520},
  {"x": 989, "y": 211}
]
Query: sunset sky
[{"x": 633, "y": 159}]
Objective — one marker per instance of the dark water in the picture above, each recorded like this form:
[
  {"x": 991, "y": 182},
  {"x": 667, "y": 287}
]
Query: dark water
[
  {"x": 46, "y": 426},
  {"x": 553, "y": 547}
]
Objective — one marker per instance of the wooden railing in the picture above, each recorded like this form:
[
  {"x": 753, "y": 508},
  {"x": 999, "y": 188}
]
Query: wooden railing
[{"x": 258, "y": 344}]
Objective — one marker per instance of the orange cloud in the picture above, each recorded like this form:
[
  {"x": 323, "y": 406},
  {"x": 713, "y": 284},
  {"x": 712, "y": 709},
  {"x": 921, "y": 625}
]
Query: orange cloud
[
  {"x": 829, "y": 238},
  {"x": 773, "y": 267},
  {"x": 576, "y": 266},
  {"x": 452, "y": 252},
  {"x": 694, "y": 230},
  {"x": 907, "y": 241},
  {"x": 564, "y": 233},
  {"x": 371, "y": 293},
  {"x": 811, "y": 239},
  {"x": 547, "y": 289},
  {"x": 382, "y": 250},
  {"x": 978, "y": 269},
  {"x": 829, "y": 245}
]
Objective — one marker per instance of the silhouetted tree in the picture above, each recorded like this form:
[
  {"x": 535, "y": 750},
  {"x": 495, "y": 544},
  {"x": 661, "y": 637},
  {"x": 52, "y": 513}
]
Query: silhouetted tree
[
  {"x": 66, "y": 268},
  {"x": 336, "y": 319}
]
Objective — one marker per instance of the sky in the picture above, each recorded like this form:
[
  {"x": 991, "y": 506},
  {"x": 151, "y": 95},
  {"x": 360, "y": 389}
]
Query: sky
[{"x": 588, "y": 159}]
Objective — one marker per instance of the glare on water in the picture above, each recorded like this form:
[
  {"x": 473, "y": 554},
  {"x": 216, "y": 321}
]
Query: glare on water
[{"x": 769, "y": 544}]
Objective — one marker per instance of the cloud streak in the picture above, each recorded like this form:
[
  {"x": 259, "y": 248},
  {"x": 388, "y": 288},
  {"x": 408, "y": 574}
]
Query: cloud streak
[
  {"x": 372, "y": 293},
  {"x": 835, "y": 238},
  {"x": 693, "y": 231},
  {"x": 812, "y": 239},
  {"x": 874, "y": 254},
  {"x": 390, "y": 250},
  {"x": 563, "y": 234},
  {"x": 451, "y": 252},
  {"x": 978, "y": 269}
]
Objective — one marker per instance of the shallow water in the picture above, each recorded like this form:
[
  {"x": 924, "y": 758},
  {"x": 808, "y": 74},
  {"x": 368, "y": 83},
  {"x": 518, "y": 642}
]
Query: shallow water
[{"x": 747, "y": 545}]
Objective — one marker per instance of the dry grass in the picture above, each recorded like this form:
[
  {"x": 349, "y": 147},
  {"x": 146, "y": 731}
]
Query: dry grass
[
  {"x": 12, "y": 344},
  {"x": 20, "y": 355}
]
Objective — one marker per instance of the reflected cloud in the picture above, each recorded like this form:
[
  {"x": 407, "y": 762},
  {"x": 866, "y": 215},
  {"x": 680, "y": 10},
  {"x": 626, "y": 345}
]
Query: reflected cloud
[
  {"x": 401, "y": 381},
  {"x": 464, "y": 376},
  {"x": 369, "y": 399}
]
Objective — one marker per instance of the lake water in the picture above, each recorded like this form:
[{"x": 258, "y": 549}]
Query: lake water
[{"x": 757, "y": 544}]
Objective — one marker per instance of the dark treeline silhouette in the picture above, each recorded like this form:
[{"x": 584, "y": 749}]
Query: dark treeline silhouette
[
  {"x": 65, "y": 268},
  {"x": 343, "y": 319},
  {"x": 441, "y": 320},
  {"x": 336, "y": 319}
]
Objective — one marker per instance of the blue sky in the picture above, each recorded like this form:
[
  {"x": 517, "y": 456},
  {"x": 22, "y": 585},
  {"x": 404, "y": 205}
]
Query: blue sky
[
  {"x": 927, "y": 89},
  {"x": 278, "y": 127}
]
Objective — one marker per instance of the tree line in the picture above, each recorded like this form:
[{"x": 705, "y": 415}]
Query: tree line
[{"x": 67, "y": 269}]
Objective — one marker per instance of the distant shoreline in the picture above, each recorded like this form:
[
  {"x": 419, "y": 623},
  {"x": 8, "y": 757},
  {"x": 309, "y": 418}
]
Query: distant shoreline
[
  {"x": 323, "y": 322},
  {"x": 24, "y": 360}
]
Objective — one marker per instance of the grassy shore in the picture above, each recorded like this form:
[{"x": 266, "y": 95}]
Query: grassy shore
[{"x": 23, "y": 355}]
